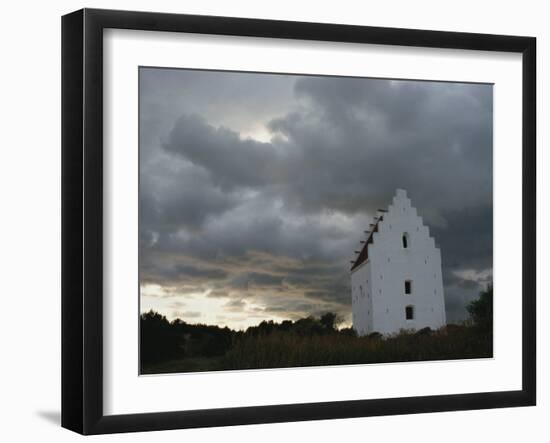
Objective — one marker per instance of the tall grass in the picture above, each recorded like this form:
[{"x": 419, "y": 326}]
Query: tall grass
[{"x": 287, "y": 349}]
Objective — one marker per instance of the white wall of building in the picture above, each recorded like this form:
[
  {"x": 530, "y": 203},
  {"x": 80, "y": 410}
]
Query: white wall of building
[
  {"x": 362, "y": 306},
  {"x": 379, "y": 300}
]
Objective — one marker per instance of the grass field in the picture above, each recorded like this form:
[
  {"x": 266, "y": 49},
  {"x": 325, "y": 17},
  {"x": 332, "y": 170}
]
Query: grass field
[{"x": 287, "y": 349}]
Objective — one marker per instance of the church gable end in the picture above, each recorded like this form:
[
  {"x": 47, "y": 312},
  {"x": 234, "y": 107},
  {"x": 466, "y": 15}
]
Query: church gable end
[{"x": 399, "y": 268}]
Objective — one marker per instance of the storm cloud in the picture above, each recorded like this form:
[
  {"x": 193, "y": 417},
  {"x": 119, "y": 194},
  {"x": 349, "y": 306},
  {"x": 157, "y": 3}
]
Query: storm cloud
[{"x": 258, "y": 204}]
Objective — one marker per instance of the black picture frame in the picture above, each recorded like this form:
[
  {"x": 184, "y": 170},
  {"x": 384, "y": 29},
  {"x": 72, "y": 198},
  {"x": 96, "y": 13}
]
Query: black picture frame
[{"x": 82, "y": 219}]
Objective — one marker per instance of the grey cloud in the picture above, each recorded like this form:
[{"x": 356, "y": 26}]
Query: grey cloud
[
  {"x": 338, "y": 152},
  {"x": 186, "y": 314},
  {"x": 352, "y": 161},
  {"x": 170, "y": 274},
  {"x": 231, "y": 99},
  {"x": 229, "y": 160},
  {"x": 177, "y": 195},
  {"x": 235, "y": 305},
  {"x": 370, "y": 137}
]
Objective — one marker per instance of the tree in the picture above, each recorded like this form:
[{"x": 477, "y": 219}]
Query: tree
[
  {"x": 158, "y": 339},
  {"x": 481, "y": 310},
  {"x": 328, "y": 320}
]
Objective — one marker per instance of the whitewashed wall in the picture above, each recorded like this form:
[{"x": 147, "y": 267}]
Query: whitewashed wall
[{"x": 382, "y": 306}]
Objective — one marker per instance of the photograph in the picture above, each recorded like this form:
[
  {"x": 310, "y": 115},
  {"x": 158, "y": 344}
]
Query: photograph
[{"x": 292, "y": 220}]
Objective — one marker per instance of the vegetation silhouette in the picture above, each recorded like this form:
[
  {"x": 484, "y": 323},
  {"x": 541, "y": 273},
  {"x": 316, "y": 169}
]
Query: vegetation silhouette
[
  {"x": 481, "y": 310},
  {"x": 178, "y": 346}
]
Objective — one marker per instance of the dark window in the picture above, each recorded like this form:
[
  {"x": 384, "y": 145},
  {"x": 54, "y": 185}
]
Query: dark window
[
  {"x": 409, "y": 313},
  {"x": 408, "y": 286},
  {"x": 405, "y": 239}
]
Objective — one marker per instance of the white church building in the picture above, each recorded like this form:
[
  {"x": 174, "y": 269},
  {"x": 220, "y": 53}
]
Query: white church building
[{"x": 396, "y": 280}]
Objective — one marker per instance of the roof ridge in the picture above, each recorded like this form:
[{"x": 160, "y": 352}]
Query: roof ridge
[{"x": 364, "y": 253}]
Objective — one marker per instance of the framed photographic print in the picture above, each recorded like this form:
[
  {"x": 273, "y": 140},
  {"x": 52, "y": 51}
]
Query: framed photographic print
[{"x": 269, "y": 221}]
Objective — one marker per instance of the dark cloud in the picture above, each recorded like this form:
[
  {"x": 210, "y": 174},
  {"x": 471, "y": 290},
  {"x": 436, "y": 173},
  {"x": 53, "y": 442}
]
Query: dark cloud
[
  {"x": 229, "y": 160},
  {"x": 175, "y": 194},
  {"x": 235, "y": 305},
  {"x": 276, "y": 222},
  {"x": 363, "y": 139}
]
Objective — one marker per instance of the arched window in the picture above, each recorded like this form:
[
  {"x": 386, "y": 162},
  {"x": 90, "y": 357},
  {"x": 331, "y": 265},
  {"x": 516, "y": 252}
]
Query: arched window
[
  {"x": 409, "y": 312},
  {"x": 405, "y": 240}
]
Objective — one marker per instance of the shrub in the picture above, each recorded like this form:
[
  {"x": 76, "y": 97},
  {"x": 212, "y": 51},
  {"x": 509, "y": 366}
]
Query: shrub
[{"x": 481, "y": 310}]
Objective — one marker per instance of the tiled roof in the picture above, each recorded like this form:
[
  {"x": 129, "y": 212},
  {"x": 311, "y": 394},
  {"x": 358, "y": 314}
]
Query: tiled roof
[{"x": 364, "y": 254}]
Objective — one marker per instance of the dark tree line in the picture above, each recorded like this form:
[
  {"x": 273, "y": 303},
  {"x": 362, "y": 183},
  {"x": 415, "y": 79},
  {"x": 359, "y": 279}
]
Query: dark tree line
[
  {"x": 481, "y": 310},
  {"x": 162, "y": 340},
  {"x": 308, "y": 326}
]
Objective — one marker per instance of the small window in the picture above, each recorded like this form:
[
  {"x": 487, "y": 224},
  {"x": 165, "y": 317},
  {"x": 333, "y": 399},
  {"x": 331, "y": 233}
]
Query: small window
[
  {"x": 408, "y": 287},
  {"x": 409, "y": 313},
  {"x": 405, "y": 240}
]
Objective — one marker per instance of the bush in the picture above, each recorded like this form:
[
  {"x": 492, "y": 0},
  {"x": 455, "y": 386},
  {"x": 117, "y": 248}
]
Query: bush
[
  {"x": 424, "y": 331},
  {"x": 481, "y": 310},
  {"x": 158, "y": 339}
]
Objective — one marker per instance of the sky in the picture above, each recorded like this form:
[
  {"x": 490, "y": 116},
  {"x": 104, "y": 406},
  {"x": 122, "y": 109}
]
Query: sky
[{"x": 255, "y": 189}]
